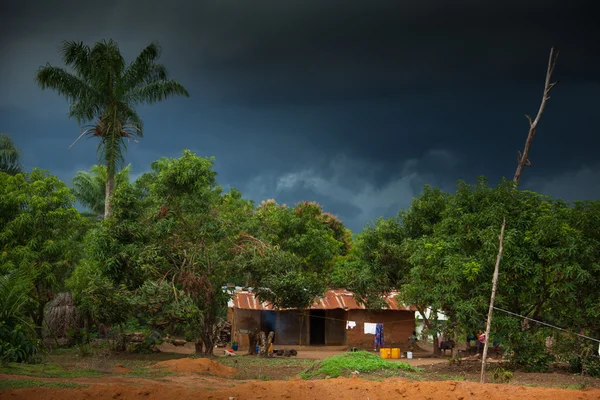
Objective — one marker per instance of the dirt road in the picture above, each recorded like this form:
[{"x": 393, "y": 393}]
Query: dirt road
[{"x": 340, "y": 388}]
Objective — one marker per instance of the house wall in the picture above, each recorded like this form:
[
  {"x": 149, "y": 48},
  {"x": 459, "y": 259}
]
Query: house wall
[
  {"x": 243, "y": 320},
  {"x": 335, "y": 327},
  {"x": 397, "y": 327},
  {"x": 291, "y": 328}
]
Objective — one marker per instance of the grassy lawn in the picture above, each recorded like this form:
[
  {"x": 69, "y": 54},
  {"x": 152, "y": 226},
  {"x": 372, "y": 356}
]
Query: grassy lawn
[
  {"x": 30, "y": 383},
  {"x": 49, "y": 370},
  {"x": 277, "y": 368}
]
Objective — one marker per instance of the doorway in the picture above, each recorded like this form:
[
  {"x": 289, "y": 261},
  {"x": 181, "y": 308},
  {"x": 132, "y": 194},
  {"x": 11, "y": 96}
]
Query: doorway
[{"x": 317, "y": 327}]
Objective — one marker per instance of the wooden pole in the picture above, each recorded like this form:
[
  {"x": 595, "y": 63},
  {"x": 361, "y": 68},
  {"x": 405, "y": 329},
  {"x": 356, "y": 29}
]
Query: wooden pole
[{"x": 523, "y": 161}]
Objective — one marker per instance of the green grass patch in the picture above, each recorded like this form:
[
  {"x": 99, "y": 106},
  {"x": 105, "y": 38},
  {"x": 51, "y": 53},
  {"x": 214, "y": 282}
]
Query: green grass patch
[
  {"x": 149, "y": 373},
  {"x": 255, "y": 361},
  {"x": 578, "y": 386},
  {"x": 361, "y": 361},
  {"x": 6, "y": 384},
  {"x": 48, "y": 370}
]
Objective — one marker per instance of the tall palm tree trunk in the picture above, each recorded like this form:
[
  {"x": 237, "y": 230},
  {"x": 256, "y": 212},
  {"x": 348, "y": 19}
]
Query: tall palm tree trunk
[{"x": 110, "y": 187}]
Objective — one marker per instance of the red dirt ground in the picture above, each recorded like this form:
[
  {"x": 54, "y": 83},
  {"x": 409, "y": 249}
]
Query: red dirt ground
[
  {"x": 340, "y": 388},
  {"x": 197, "y": 365},
  {"x": 120, "y": 369}
]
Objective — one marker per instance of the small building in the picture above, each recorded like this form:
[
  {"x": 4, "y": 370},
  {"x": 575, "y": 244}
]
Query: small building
[{"x": 334, "y": 319}]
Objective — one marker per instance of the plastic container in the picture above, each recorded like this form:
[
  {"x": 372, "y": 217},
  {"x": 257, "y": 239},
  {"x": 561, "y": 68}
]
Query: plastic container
[
  {"x": 257, "y": 349},
  {"x": 409, "y": 355},
  {"x": 385, "y": 353},
  {"x": 396, "y": 352}
]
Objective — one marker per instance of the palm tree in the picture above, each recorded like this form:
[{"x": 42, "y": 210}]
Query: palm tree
[
  {"x": 10, "y": 156},
  {"x": 89, "y": 187},
  {"x": 104, "y": 90}
]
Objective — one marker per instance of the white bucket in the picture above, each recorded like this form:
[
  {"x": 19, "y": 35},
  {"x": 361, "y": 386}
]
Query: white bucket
[{"x": 409, "y": 355}]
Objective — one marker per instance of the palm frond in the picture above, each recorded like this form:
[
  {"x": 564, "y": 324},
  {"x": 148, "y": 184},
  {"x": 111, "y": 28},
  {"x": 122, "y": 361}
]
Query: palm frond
[
  {"x": 107, "y": 65},
  {"x": 143, "y": 69},
  {"x": 68, "y": 85},
  {"x": 84, "y": 110},
  {"x": 88, "y": 188},
  {"x": 10, "y": 156},
  {"x": 77, "y": 55},
  {"x": 14, "y": 299},
  {"x": 155, "y": 92}
]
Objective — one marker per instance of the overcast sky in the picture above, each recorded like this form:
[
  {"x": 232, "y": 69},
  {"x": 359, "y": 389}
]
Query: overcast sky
[{"x": 355, "y": 104}]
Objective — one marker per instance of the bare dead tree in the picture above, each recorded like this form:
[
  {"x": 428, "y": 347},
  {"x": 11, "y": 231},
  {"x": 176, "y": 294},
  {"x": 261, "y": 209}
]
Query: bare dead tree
[{"x": 523, "y": 161}]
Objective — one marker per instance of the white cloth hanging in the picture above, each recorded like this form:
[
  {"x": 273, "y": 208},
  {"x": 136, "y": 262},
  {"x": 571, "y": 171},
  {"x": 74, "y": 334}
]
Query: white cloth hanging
[
  {"x": 370, "y": 328},
  {"x": 350, "y": 324}
]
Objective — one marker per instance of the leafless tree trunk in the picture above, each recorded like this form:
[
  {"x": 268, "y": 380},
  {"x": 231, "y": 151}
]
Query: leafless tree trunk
[{"x": 523, "y": 161}]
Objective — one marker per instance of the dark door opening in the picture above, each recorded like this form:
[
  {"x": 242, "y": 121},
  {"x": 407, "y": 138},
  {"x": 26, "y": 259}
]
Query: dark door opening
[
  {"x": 317, "y": 327},
  {"x": 268, "y": 323}
]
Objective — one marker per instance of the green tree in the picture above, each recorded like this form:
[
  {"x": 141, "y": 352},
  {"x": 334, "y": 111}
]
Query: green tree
[
  {"x": 89, "y": 187},
  {"x": 291, "y": 253},
  {"x": 548, "y": 262},
  {"x": 175, "y": 226},
  {"x": 39, "y": 233},
  {"x": 104, "y": 90},
  {"x": 10, "y": 156}
]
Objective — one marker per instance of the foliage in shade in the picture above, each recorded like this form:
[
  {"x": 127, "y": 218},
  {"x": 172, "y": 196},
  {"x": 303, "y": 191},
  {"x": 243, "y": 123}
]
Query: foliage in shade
[
  {"x": 97, "y": 298},
  {"x": 17, "y": 336},
  {"x": 105, "y": 91},
  {"x": 89, "y": 186},
  {"x": 10, "y": 156}
]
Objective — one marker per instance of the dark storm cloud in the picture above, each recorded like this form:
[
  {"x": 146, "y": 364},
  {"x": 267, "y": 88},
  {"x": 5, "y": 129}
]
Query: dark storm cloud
[{"x": 355, "y": 104}]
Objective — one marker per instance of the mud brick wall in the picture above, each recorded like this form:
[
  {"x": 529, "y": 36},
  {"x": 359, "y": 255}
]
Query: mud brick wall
[
  {"x": 397, "y": 327},
  {"x": 335, "y": 325}
]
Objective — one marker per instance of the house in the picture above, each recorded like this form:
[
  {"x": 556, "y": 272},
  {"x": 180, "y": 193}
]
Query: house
[{"x": 334, "y": 319}]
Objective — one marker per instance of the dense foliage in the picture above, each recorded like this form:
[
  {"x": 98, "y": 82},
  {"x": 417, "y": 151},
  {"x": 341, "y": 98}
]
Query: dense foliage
[
  {"x": 40, "y": 232},
  {"x": 89, "y": 187},
  {"x": 176, "y": 238},
  {"x": 441, "y": 252}
]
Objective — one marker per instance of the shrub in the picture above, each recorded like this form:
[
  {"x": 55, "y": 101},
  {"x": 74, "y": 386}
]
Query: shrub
[{"x": 361, "y": 361}]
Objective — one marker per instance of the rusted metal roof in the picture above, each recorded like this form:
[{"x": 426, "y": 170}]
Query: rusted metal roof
[{"x": 332, "y": 299}]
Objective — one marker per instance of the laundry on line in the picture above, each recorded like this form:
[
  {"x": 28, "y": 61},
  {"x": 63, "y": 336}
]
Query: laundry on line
[
  {"x": 350, "y": 324},
  {"x": 370, "y": 328}
]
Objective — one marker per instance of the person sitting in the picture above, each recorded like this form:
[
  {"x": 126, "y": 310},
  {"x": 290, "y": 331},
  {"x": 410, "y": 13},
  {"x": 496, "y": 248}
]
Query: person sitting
[{"x": 412, "y": 339}]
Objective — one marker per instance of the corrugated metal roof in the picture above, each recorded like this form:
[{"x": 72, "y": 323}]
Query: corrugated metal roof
[{"x": 332, "y": 299}]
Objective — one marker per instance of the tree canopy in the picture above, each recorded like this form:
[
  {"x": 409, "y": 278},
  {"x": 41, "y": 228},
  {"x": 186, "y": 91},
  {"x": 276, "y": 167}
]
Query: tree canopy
[{"x": 105, "y": 90}]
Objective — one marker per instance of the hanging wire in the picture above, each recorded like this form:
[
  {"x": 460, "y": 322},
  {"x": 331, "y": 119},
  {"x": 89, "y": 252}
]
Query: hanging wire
[{"x": 544, "y": 323}]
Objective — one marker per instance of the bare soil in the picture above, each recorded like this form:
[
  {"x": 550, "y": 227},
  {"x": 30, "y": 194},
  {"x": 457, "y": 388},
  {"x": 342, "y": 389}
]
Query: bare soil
[
  {"x": 341, "y": 388},
  {"x": 197, "y": 365},
  {"x": 248, "y": 377}
]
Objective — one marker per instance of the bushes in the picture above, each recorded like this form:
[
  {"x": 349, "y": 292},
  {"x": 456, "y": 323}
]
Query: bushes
[
  {"x": 361, "y": 361},
  {"x": 18, "y": 342}
]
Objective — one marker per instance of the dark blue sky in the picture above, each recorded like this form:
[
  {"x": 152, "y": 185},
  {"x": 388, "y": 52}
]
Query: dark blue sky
[{"x": 355, "y": 104}]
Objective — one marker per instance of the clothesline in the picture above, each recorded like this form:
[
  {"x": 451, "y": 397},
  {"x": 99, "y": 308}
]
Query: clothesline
[{"x": 346, "y": 320}]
